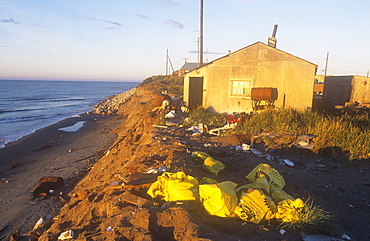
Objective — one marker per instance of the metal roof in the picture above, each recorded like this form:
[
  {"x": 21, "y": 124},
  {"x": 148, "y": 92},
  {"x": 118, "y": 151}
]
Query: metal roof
[{"x": 190, "y": 66}]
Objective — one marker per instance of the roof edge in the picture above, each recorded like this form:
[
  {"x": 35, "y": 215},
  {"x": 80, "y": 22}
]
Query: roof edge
[{"x": 265, "y": 45}]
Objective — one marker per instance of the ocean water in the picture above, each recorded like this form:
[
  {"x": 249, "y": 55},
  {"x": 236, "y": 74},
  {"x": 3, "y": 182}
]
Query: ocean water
[{"x": 28, "y": 105}]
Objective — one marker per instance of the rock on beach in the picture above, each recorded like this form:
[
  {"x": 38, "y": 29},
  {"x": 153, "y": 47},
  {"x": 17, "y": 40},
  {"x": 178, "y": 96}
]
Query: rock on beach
[{"x": 111, "y": 104}]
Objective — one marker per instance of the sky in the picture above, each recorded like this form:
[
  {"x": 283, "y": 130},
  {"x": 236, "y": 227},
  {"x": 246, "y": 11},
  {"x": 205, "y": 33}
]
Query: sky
[{"x": 122, "y": 40}]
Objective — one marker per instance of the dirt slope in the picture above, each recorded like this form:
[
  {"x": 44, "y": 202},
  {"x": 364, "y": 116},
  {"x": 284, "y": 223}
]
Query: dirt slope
[{"x": 98, "y": 202}]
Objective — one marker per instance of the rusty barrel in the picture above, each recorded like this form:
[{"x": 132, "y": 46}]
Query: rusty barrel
[{"x": 264, "y": 93}]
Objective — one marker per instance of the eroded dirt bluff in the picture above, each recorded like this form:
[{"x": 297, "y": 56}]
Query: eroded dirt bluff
[{"x": 99, "y": 203}]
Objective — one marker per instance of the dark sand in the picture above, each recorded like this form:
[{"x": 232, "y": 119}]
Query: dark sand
[{"x": 70, "y": 155}]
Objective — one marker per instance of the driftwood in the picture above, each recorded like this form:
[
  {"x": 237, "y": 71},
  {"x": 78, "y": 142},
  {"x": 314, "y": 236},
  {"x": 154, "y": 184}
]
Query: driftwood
[
  {"x": 130, "y": 186},
  {"x": 83, "y": 158},
  {"x": 136, "y": 200},
  {"x": 49, "y": 144}
]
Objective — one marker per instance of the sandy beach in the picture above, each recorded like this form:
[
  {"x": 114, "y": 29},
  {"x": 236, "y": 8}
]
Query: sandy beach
[{"x": 48, "y": 152}]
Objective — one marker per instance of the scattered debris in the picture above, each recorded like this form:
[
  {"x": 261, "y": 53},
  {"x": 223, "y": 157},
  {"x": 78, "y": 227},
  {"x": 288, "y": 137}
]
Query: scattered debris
[
  {"x": 210, "y": 164},
  {"x": 16, "y": 235},
  {"x": 43, "y": 222},
  {"x": 157, "y": 170},
  {"x": 49, "y": 144},
  {"x": 46, "y": 184},
  {"x": 110, "y": 229},
  {"x": 218, "y": 131},
  {"x": 282, "y": 231},
  {"x": 318, "y": 237},
  {"x": 246, "y": 147},
  {"x": 66, "y": 235},
  {"x": 305, "y": 141},
  {"x": 171, "y": 114},
  {"x": 14, "y": 164},
  {"x": 289, "y": 162},
  {"x": 136, "y": 200}
]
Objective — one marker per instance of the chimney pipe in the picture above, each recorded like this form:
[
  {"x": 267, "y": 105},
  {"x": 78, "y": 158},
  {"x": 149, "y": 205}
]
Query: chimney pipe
[{"x": 274, "y": 32}]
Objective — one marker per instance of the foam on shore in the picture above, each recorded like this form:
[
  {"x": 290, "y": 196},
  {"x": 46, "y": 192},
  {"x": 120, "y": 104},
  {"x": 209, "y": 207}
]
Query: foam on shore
[{"x": 74, "y": 127}]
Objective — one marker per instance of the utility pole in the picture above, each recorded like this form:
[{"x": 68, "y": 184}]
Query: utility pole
[
  {"x": 201, "y": 35},
  {"x": 326, "y": 64},
  {"x": 167, "y": 62}
]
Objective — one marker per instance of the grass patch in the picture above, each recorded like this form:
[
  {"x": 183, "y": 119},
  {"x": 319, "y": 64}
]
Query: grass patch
[
  {"x": 348, "y": 134},
  {"x": 201, "y": 115},
  {"x": 307, "y": 217}
]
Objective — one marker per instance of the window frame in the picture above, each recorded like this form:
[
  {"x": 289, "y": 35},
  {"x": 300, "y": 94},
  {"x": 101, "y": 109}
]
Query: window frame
[{"x": 246, "y": 90}]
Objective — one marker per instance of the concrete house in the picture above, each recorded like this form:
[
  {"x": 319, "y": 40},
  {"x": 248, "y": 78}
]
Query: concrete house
[
  {"x": 225, "y": 84},
  {"x": 339, "y": 90},
  {"x": 185, "y": 69}
]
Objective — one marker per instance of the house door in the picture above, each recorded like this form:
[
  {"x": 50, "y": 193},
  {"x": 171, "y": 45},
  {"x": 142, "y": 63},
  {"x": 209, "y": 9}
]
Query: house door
[
  {"x": 195, "y": 92},
  {"x": 338, "y": 95}
]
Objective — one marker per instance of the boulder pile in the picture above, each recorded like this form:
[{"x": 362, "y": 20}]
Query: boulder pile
[{"x": 111, "y": 104}]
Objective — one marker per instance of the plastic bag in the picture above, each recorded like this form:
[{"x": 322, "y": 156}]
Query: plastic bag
[
  {"x": 261, "y": 183},
  {"x": 255, "y": 207},
  {"x": 219, "y": 199},
  {"x": 273, "y": 176},
  {"x": 202, "y": 155},
  {"x": 279, "y": 195},
  {"x": 212, "y": 165},
  {"x": 208, "y": 180},
  {"x": 175, "y": 187},
  {"x": 209, "y": 163}
]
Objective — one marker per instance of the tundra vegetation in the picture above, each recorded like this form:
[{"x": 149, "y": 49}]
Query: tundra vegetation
[{"x": 168, "y": 83}]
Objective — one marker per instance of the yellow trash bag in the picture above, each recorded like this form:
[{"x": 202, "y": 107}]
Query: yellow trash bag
[
  {"x": 290, "y": 210},
  {"x": 202, "y": 155},
  {"x": 265, "y": 170},
  {"x": 209, "y": 163},
  {"x": 255, "y": 207},
  {"x": 279, "y": 195},
  {"x": 219, "y": 199},
  {"x": 212, "y": 165},
  {"x": 175, "y": 187},
  {"x": 261, "y": 183},
  {"x": 208, "y": 180}
]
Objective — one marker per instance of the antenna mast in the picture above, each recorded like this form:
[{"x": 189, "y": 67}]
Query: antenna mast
[
  {"x": 326, "y": 64},
  {"x": 201, "y": 35}
]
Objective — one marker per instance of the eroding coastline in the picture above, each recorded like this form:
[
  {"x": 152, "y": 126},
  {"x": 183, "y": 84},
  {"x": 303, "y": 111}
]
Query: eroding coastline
[{"x": 111, "y": 104}]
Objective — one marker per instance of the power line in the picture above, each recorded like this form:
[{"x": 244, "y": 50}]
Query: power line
[{"x": 349, "y": 62}]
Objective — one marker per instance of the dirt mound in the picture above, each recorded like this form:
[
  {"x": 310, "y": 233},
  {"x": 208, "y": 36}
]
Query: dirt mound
[{"x": 100, "y": 208}]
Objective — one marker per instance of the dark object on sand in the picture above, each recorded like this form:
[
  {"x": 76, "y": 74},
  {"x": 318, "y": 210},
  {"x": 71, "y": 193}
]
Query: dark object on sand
[
  {"x": 160, "y": 98},
  {"x": 15, "y": 236},
  {"x": 46, "y": 184},
  {"x": 49, "y": 144}
]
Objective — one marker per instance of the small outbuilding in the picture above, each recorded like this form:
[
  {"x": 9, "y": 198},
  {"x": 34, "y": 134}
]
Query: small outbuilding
[
  {"x": 185, "y": 69},
  {"x": 254, "y": 76},
  {"x": 342, "y": 90}
]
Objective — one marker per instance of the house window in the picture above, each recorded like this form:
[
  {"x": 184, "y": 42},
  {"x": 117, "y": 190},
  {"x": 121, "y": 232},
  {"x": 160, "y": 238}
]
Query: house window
[{"x": 241, "y": 87}]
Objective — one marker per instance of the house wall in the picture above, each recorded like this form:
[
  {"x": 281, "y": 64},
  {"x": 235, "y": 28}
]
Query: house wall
[
  {"x": 361, "y": 90},
  {"x": 341, "y": 89},
  {"x": 265, "y": 67}
]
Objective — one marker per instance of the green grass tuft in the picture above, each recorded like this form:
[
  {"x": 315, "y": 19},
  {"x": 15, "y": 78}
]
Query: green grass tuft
[{"x": 349, "y": 134}]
